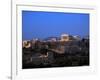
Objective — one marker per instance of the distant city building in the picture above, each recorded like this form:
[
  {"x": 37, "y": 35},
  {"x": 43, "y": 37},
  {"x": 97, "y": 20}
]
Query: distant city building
[
  {"x": 52, "y": 39},
  {"x": 33, "y": 41},
  {"x": 76, "y": 37},
  {"x": 86, "y": 37},
  {"x": 66, "y": 37},
  {"x": 36, "y": 39}
]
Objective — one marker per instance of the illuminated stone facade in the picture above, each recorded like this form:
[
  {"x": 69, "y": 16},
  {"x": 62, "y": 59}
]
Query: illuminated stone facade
[
  {"x": 26, "y": 44},
  {"x": 65, "y": 37}
]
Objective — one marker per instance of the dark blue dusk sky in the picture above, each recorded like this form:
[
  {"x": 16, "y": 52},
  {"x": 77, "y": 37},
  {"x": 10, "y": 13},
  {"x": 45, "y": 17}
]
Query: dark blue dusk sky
[{"x": 38, "y": 24}]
